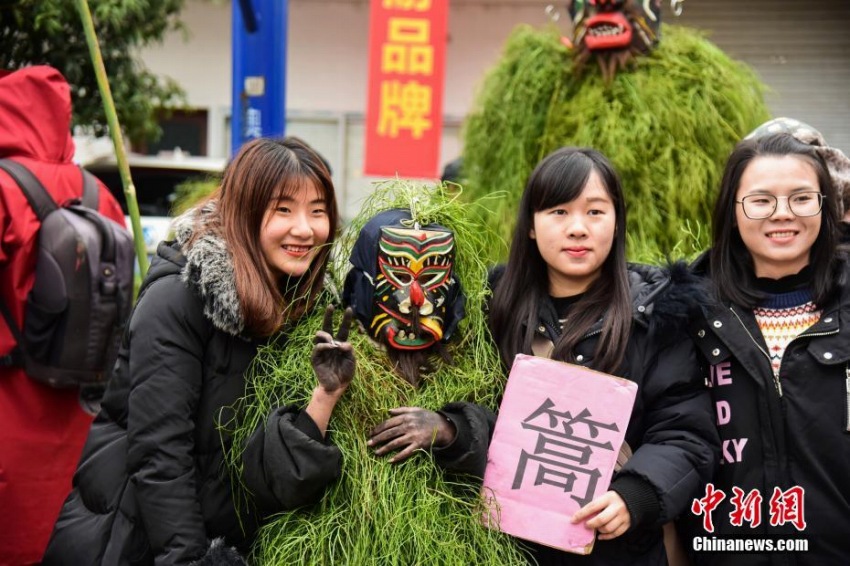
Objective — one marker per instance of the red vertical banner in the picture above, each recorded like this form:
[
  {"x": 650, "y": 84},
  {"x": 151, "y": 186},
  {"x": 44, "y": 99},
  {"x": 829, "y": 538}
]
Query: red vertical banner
[{"x": 404, "y": 119}]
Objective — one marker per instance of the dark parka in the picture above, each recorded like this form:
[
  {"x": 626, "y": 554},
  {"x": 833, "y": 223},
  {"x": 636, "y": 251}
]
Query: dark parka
[
  {"x": 671, "y": 430},
  {"x": 179, "y": 371},
  {"x": 801, "y": 438}
]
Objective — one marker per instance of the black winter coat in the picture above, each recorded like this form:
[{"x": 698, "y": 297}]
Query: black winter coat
[
  {"x": 152, "y": 486},
  {"x": 801, "y": 438},
  {"x": 671, "y": 430}
]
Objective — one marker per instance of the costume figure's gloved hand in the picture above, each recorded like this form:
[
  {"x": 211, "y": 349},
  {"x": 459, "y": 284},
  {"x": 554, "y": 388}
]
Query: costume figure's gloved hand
[
  {"x": 410, "y": 429},
  {"x": 333, "y": 357}
]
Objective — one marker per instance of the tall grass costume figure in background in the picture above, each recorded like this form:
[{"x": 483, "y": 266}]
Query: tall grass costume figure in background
[
  {"x": 776, "y": 348},
  {"x": 567, "y": 293},
  {"x": 663, "y": 102},
  {"x": 416, "y": 285},
  {"x": 151, "y": 487}
]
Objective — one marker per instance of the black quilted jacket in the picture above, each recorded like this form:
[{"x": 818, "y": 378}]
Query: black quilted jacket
[
  {"x": 152, "y": 486},
  {"x": 671, "y": 431}
]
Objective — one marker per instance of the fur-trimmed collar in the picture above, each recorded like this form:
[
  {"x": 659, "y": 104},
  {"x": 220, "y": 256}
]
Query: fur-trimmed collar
[
  {"x": 677, "y": 303},
  {"x": 209, "y": 269}
]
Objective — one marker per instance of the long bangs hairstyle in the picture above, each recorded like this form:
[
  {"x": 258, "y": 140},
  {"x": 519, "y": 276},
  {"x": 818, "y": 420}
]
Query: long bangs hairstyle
[
  {"x": 560, "y": 178},
  {"x": 264, "y": 171},
  {"x": 732, "y": 269}
]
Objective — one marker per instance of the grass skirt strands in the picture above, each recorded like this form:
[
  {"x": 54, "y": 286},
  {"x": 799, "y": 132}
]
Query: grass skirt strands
[
  {"x": 667, "y": 124},
  {"x": 378, "y": 513}
]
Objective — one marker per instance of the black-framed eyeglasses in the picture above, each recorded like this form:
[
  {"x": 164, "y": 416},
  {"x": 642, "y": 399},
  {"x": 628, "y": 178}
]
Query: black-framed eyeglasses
[{"x": 759, "y": 207}]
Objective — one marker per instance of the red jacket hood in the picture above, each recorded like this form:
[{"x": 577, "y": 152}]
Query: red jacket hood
[{"x": 35, "y": 115}]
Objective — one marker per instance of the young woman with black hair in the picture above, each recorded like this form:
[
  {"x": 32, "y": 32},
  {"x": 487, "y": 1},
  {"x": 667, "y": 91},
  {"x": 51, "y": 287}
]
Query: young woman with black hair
[
  {"x": 152, "y": 486},
  {"x": 568, "y": 294},
  {"x": 776, "y": 347}
]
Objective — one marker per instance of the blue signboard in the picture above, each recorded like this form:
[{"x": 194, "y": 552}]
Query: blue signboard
[{"x": 259, "y": 70}]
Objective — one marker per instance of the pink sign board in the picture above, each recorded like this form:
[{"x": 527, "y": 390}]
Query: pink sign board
[{"x": 559, "y": 430}]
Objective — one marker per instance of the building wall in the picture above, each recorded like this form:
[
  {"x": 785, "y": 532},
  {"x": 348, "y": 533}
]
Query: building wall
[
  {"x": 800, "y": 49},
  {"x": 328, "y": 50}
]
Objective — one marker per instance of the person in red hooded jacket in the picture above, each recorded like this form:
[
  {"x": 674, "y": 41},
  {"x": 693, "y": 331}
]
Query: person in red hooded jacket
[{"x": 42, "y": 429}]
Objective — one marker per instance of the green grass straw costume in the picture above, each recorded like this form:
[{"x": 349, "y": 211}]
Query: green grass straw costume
[
  {"x": 378, "y": 513},
  {"x": 667, "y": 123}
]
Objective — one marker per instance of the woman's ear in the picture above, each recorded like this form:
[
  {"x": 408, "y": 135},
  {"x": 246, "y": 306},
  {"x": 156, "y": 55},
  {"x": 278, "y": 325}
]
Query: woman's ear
[{"x": 531, "y": 233}]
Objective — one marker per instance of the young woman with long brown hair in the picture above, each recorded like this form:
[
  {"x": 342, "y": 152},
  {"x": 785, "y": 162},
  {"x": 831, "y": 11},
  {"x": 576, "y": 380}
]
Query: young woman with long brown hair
[{"x": 151, "y": 486}]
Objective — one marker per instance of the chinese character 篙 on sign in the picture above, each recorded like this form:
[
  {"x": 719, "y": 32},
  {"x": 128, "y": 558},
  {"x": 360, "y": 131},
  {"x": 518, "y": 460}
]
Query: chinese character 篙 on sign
[
  {"x": 562, "y": 454},
  {"x": 554, "y": 449}
]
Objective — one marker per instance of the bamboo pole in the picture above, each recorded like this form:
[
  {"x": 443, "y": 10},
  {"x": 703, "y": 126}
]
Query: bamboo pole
[{"x": 115, "y": 132}]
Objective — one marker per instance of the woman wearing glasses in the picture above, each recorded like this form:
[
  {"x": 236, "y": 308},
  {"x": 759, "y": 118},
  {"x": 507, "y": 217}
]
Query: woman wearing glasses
[{"x": 777, "y": 353}]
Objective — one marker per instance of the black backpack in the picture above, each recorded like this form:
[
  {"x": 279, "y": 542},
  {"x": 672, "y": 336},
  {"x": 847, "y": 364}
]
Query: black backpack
[{"x": 83, "y": 290}]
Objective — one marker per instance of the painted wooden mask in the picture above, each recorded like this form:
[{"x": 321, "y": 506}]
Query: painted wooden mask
[{"x": 402, "y": 284}]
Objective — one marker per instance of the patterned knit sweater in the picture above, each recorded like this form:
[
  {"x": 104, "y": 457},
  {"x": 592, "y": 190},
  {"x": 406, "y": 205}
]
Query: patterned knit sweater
[{"x": 782, "y": 317}]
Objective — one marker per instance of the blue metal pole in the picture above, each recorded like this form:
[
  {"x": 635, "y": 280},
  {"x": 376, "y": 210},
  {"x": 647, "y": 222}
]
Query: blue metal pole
[{"x": 259, "y": 70}]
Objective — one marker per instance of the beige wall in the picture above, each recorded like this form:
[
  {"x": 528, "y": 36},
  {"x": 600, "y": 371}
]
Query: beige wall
[
  {"x": 328, "y": 40},
  {"x": 327, "y": 56},
  {"x": 801, "y": 49},
  {"x": 200, "y": 59},
  {"x": 327, "y": 73}
]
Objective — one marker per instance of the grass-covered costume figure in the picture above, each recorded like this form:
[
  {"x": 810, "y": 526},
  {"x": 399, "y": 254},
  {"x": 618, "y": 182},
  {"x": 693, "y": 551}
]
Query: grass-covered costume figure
[
  {"x": 417, "y": 285},
  {"x": 667, "y": 113}
]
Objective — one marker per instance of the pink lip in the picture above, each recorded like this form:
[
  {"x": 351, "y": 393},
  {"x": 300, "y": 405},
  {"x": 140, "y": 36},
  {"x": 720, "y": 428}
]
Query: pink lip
[{"x": 577, "y": 252}]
